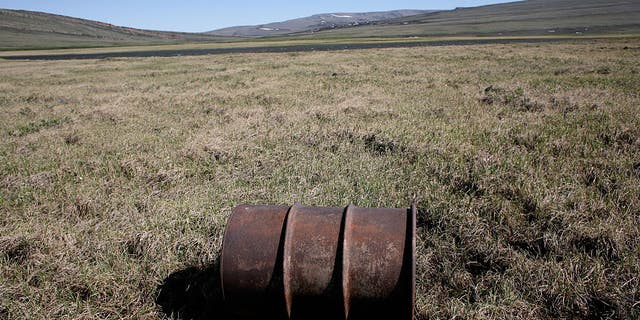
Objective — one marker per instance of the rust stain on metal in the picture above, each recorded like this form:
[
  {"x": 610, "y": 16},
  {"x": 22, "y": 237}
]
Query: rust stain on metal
[
  {"x": 319, "y": 263},
  {"x": 310, "y": 269},
  {"x": 374, "y": 269},
  {"x": 251, "y": 261}
]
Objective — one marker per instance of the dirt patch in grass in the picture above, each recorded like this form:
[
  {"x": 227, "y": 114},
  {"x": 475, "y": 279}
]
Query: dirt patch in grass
[
  {"x": 17, "y": 248},
  {"x": 72, "y": 138},
  {"x": 379, "y": 145},
  {"x": 516, "y": 99},
  {"x": 600, "y": 246}
]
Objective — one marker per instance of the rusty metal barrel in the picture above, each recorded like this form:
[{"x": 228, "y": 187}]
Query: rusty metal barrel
[{"x": 302, "y": 262}]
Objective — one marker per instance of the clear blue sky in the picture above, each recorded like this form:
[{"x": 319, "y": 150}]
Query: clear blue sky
[{"x": 201, "y": 15}]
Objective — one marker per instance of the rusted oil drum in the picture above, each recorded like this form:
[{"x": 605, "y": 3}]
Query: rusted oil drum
[
  {"x": 378, "y": 263},
  {"x": 319, "y": 263},
  {"x": 312, "y": 269},
  {"x": 251, "y": 262}
]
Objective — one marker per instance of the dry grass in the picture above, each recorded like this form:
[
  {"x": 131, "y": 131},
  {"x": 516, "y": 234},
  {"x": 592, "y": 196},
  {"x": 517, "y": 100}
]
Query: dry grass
[{"x": 526, "y": 160}]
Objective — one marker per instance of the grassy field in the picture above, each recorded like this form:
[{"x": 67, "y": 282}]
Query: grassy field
[{"x": 118, "y": 175}]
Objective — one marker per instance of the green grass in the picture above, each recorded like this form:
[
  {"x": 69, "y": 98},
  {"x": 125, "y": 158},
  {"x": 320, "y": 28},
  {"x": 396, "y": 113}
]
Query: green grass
[{"x": 525, "y": 159}]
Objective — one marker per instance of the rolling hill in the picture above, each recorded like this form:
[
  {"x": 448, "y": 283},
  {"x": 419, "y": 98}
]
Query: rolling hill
[
  {"x": 315, "y": 23},
  {"x": 28, "y": 29},
  {"x": 531, "y": 17}
]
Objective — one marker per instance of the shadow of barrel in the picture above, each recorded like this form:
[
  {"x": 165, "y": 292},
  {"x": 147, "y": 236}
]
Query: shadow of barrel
[{"x": 193, "y": 293}]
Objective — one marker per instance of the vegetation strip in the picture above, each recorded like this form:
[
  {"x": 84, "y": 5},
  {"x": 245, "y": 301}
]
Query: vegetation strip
[{"x": 286, "y": 48}]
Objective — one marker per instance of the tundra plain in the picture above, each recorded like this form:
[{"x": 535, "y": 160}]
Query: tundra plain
[{"x": 117, "y": 174}]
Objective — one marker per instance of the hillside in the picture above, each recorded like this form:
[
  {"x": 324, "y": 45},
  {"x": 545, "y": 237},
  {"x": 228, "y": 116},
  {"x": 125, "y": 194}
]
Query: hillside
[
  {"x": 532, "y": 17},
  {"x": 315, "y": 23},
  {"x": 28, "y": 29}
]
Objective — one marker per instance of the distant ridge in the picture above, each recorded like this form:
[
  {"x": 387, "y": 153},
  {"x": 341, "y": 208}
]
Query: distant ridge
[
  {"x": 519, "y": 18},
  {"x": 316, "y": 23}
]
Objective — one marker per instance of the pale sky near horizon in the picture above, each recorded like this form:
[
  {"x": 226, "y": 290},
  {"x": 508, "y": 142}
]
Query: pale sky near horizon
[{"x": 201, "y": 15}]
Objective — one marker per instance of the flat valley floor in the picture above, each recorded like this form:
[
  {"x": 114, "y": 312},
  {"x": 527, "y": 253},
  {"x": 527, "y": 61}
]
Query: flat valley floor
[{"x": 117, "y": 175}]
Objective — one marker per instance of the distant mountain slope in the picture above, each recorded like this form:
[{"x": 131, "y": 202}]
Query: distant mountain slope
[
  {"x": 28, "y": 29},
  {"x": 314, "y": 23},
  {"x": 531, "y": 17}
]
